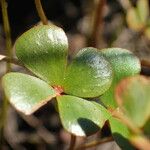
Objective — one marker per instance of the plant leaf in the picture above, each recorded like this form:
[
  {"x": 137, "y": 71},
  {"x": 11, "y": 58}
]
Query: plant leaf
[
  {"x": 124, "y": 64},
  {"x": 143, "y": 10},
  {"x": 133, "y": 96},
  {"x": 81, "y": 117},
  {"x": 26, "y": 93},
  {"x": 120, "y": 133},
  {"x": 146, "y": 129},
  {"x": 89, "y": 75},
  {"x": 43, "y": 50},
  {"x": 147, "y": 32},
  {"x": 133, "y": 20}
]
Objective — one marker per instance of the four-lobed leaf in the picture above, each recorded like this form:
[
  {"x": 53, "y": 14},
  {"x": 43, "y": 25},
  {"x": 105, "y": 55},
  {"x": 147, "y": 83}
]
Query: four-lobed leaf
[
  {"x": 26, "y": 93},
  {"x": 124, "y": 64},
  {"x": 133, "y": 97},
  {"x": 81, "y": 117},
  {"x": 89, "y": 74},
  {"x": 43, "y": 50}
]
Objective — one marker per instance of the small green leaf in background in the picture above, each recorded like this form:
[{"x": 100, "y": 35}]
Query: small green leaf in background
[
  {"x": 43, "y": 50},
  {"x": 81, "y": 117},
  {"x": 124, "y": 64},
  {"x": 133, "y": 97},
  {"x": 26, "y": 93},
  {"x": 89, "y": 74},
  {"x": 133, "y": 20},
  {"x": 147, "y": 32},
  {"x": 120, "y": 133},
  {"x": 143, "y": 10},
  {"x": 146, "y": 129}
]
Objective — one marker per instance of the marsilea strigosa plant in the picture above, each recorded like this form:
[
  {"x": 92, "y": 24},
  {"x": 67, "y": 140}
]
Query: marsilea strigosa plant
[{"x": 92, "y": 73}]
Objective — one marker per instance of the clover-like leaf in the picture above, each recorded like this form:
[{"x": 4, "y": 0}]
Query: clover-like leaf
[
  {"x": 26, "y": 93},
  {"x": 133, "y": 20},
  {"x": 124, "y": 64},
  {"x": 120, "y": 133},
  {"x": 81, "y": 117},
  {"x": 143, "y": 10},
  {"x": 43, "y": 50},
  {"x": 89, "y": 75},
  {"x": 133, "y": 97}
]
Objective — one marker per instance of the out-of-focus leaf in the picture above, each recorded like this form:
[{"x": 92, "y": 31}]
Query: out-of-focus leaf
[
  {"x": 120, "y": 133},
  {"x": 133, "y": 20},
  {"x": 147, "y": 32},
  {"x": 143, "y": 10},
  {"x": 43, "y": 50},
  {"x": 124, "y": 64},
  {"x": 133, "y": 97},
  {"x": 89, "y": 75},
  {"x": 26, "y": 93},
  {"x": 81, "y": 117},
  {"x": 140, "y": 142},
  {"x": 146, "y": 129}
]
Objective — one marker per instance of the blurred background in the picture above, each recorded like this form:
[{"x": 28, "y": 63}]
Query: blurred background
[{"x": 97, "y": 23}]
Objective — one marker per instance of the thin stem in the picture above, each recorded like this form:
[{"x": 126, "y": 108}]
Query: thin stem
[
  {"x": 9, "y": 54},
  {"x": 10, "y": 60},
  {"x": 41, "y": 12},
  {"x": 145, "y": 63},
  {"x": 97, "y": 23},
  {"x": 95, "y": 143},
  {"x": 7, "y": 32},
  {"x": 72, "y": 142}
]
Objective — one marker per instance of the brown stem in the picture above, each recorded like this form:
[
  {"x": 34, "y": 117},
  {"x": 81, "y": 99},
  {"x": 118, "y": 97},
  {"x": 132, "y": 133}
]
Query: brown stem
[
  {"x": 7, "y": 32},
  {"x": 95, "y": 143},
  {"x": 140, "y": 142},
  {"x": 41, "y": 12},
  {"x": 10, "y": 60},
  {"x": 145, "y": 63},
  {"x": 9, "y": 53},
  {"x": 72, "y": 142},
  {"x": 97, "y": 23}
]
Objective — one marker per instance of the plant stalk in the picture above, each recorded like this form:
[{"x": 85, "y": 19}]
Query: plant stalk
[
  {"x": 72, "y": 142},
  {"x": 95, "y": 143},
  {"x": 41, "y": 12},
  {"x": 96, "y": 34},
  {"x": 9, "y": 53}
]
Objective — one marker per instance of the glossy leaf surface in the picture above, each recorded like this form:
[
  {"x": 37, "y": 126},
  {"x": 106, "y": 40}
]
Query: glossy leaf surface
[
  {"x": 43, "y": 50},
  {"x": 81, "y": 117},
  {"x": 133, "y": 96},
  {"x": 124, "y": 64},
  {"x": 26, "y": 93},
  {"x": 89, "y": 75},
  {"x": 120, "y": 133}
]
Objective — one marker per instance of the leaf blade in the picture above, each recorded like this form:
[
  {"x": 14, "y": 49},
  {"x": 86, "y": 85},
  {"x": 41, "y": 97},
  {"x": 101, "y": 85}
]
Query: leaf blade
[
  {"x": 132, "y": 95},
  {"x": 81, "y": 117},
  {"x": 43, "y": 50},
  {"x": 26, "y": 93},
  {"x": 124, "y": 64},
  {"x": 89, "y": 74}
]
